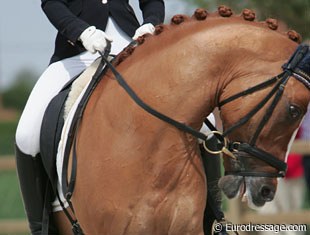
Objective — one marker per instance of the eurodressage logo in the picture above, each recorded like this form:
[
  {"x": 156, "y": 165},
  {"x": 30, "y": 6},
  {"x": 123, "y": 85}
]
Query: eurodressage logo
[{"x": 275, "y": 228}]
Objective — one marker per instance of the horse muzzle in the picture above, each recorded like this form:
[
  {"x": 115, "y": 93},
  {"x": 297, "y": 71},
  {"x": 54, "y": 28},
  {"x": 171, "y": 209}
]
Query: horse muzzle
[{"x": 255, "y": 190}]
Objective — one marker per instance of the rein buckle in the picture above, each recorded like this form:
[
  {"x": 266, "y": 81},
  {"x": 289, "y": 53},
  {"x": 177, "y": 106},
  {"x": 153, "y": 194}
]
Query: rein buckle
[{"x": 224, "y": 142}]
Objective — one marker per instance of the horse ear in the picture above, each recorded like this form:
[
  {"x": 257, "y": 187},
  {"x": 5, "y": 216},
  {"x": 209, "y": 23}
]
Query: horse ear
[{"x": 200, "y": 14}]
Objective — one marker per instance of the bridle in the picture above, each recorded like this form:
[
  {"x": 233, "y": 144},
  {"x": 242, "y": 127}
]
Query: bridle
[{"x": 297, "y": 67}]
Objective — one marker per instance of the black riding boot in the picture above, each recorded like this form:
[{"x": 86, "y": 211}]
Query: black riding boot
[
  {"x": 33, "y": 181},
  {"x": 212, "y": 165}
]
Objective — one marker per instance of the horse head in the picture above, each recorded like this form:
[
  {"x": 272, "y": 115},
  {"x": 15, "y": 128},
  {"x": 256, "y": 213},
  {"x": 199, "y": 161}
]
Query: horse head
[{"x": 261, "y": 116}]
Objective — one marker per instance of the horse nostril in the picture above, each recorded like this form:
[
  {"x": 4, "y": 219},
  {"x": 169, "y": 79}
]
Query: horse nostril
[{"x": 267, "y": 193}]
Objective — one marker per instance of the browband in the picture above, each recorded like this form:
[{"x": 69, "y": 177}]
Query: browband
[{"x": 299, "y": 65}]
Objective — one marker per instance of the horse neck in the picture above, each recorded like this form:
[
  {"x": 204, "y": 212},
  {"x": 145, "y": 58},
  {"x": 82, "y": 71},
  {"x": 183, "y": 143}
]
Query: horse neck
[{"x": 191, "y": 64}]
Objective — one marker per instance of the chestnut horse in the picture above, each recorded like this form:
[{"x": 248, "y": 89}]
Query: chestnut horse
[{"x": 137, "y": 174}]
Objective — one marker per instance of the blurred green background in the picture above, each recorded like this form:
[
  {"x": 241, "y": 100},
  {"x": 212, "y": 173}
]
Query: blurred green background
[
  {"x": 11, "y": 207},
  {"x": 12, "y": 101}
]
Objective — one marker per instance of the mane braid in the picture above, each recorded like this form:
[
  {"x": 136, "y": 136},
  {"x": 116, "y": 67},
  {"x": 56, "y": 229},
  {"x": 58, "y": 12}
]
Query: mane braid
[
  {"x": 201, "y": 14},
  {"x": 126, "y": 52},
  {"x": 248, "y": 15},
  {"x": 178, "y": 19},
  {"x": 224, "y": 11},
  {"x": 272, "y": 23}
]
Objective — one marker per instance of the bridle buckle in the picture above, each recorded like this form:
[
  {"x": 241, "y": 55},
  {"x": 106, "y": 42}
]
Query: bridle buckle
[{"x": 224, "y": 142}]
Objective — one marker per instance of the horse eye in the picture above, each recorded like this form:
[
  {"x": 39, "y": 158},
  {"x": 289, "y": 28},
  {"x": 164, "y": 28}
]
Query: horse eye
[{"x": 295, "y": 112}]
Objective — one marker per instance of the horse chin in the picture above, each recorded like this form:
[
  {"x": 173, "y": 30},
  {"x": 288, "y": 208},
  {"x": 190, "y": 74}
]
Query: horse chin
[
  {"x": 230, "y": 185},
  {"x": 256, "y": 191}
]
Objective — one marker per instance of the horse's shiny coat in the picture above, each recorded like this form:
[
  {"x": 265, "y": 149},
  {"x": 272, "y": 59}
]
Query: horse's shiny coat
[{"x": 139, "y": 175}]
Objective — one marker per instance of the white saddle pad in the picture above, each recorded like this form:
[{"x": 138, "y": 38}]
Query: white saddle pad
[{"x": 78, "y": 89}]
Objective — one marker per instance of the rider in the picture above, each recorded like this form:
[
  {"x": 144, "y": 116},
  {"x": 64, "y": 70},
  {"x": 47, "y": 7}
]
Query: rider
[{"x": 83, "y": 29}]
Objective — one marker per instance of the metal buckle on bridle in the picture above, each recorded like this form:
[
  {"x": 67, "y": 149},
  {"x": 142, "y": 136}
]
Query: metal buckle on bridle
[{"x": 224, "y": 142}]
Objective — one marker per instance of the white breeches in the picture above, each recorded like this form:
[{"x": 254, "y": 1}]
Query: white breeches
[{"x": 50, "y": 83}]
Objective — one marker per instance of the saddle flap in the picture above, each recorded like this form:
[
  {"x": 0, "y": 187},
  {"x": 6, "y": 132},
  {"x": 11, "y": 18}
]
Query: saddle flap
[{"x": 51, "y": 129}]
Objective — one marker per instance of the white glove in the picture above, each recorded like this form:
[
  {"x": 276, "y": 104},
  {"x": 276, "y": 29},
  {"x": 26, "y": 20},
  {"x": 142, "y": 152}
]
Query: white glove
[
  {"x": 94, "y": 39},
  {"x": 144, "y": 29}
]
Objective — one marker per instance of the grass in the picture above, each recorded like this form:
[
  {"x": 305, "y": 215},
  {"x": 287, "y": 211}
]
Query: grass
[
  {"x": 10, "y": 198},
  {"x": 11, "y": 206},
  {"x": 7, "y": 137}
]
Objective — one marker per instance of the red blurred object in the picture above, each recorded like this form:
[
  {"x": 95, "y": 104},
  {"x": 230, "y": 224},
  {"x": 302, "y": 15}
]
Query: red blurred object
[{"x": 295, "y": 168}]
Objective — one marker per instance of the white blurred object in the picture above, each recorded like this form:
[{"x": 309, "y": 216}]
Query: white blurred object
[
  {"x": 94, "y": 39},
  {"x": 204, "y": 129},
  {"x": 144, "y": 29},
  {"x": 305, "y": 126}
]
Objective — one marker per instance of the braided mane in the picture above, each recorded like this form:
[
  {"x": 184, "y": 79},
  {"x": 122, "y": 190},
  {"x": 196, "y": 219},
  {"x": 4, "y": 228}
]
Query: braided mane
[{"x": 201, "y": 14}]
